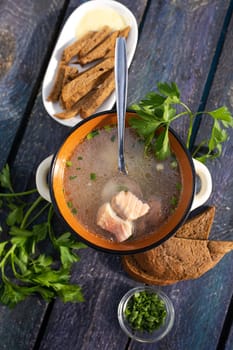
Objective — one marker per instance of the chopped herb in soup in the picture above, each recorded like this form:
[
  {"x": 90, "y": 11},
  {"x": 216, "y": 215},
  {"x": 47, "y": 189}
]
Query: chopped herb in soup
[{"x": 116, "y": 208}]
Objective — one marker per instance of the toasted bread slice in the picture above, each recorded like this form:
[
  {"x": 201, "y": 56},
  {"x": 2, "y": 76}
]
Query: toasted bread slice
[
  {"x": 106, "y": 49},
  {"x": 98, "y": 97},
  {"x": 58, "y": 83},
  {"x": 85, "y": 82},
  {"x": 70, "y": 73},
  {"x": 125, "y": 32},
  {"x": 187, "y": 255},
  {"x": 75, "y": 110},
  {"x": 73, "y": 49},
  {"x": 95, "y": 40},
  {"x": 122, "y": 33},
  {"x": 101, "y": 50}
]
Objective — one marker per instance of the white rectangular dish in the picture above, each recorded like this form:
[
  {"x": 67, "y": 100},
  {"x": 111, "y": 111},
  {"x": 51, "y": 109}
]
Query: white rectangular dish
[{"x": 68, "y": 35}]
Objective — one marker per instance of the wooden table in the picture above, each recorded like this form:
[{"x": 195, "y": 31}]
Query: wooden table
[{"x": 189, "y": 42}]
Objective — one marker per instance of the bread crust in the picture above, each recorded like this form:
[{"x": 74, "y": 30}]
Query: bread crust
[
  {"x": 85, "y": 82},
  {"x": 81, "y": 93},
  {"x": 187, "y": 255}
]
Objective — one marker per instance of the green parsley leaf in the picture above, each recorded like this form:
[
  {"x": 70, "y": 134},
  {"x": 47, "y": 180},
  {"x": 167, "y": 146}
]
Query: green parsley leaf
[
  {"x": 70, "y": 293},
  {"x": 5, "y": 180},
  {"x": 158, "y": 110},
  {"x": 72, "y": 177},
  {"x": 68, "y": 257},
  {"x": 15, "y": 216},
  {"x": 69, "y": 163},
  {"x": 2, "y": 247},
  {"x": 24, "y": 269},
  {"x": 92, "y": 134},
  {"x": 93, "y": 176},
  {"x": 145, "y": 311}
]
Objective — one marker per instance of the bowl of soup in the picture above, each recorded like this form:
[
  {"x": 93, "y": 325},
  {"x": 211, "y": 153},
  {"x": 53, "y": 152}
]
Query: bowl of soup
[{"x": 115, "y": 213}]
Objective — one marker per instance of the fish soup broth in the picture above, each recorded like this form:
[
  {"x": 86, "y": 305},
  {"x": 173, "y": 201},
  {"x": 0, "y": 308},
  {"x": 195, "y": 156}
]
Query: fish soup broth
[{"x": 92, "y": 172}]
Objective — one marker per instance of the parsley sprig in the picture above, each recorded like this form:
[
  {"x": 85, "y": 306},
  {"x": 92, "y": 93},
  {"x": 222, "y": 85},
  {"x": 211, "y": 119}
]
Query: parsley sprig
[
  {"x": 23, "y": 269},
  {"x": 160, "y": 109}
]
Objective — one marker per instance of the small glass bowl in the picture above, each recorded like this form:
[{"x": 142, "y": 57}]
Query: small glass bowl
[{"x": 146, "y": 337}]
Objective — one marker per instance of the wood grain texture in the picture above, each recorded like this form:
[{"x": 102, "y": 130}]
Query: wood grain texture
[
  {"x": 177, "y": 42},
  {"x": 22, "y": 335},
  {"x": 194, "y": 298},
  {"x": 92, "y": 324},
  {"x": 26, "y": 29},
  {"x": 200, "y": 299},
  {"x": 229, "y": 341},
  {"x": 221, "y": 168}
]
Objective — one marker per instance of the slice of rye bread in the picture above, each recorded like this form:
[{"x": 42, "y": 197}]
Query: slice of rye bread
[
  {"x": 73, "y": 49},
  {"x": 85, "y": 82},
  {"x": 106, "y": 48},
  {"x": 95, "y": 40},
  {"x": 58, "y": 83},
  {"x": 187, "y": 255},
  {"x": 76, "y": 109},
  {"x": 122, "y": 33},
  {"x": 70, "y": 73},
  {"x": 100, "y": 94},
  {"x": 101, "y": 50}
]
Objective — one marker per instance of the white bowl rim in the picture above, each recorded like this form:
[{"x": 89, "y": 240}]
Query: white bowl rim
[{"x": 67, "y": 36}]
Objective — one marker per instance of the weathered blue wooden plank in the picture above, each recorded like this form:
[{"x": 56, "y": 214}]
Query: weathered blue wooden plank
[
  {"x": 222, "y": 170},
  {"x": 192, "y": 296},
  {"x": 202, "y": 302},
  {"x": 200, "y": 306},
  {"x": 178, "y": 42},
  {"x": 229, "y": 342},
  {"x": 92, "y": 324},
  {"x": 26, "y": 30},
  {"x": 42, "y": 137}
]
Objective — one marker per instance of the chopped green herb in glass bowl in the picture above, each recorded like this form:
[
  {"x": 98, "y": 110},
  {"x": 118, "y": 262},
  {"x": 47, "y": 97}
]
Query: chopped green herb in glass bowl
[{"x": 146, "y": 314}]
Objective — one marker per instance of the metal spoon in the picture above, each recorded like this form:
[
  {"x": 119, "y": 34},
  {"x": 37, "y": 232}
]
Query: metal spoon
[
  {"x": 121, "y": 180},
  {"x": 121, "y": 83}
]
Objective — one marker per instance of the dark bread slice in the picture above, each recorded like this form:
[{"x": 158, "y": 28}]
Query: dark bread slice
[
  {"x": 187, "y": 255},
  {"x": 106, "y": 48},
  {"x": 100, "y": 94},
  {"x": 199, "y": 226},
  {"x": 122, "y": 33},
  {"x": 70, "y": 73},
  {"x": 95, "y": 40},
  {"x": 85, "y": 82},
  {"x": 58, "y": 83},
  {"x": 101, "y": 50},
  {"x": 76, "y": 109},
  {"x": 73, "y": 49}
]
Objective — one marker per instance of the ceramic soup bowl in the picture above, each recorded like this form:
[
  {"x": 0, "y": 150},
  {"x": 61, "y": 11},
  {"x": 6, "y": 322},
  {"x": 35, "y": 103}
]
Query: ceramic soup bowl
[{"x": 50, "y": 184}]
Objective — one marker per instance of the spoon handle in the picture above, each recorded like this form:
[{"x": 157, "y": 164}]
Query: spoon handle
[{"x": 121, "y": 83}]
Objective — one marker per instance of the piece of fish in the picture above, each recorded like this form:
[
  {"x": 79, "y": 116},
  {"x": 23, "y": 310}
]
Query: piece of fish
[
  {"x": 110, "y": 221},
  {"x": 128, "y": 206}
]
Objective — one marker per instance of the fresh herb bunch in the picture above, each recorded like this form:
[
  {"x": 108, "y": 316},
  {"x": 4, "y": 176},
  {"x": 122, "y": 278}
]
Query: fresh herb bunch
[
  {"x": 159, "y": 110},
  {"x": 24, "y": 270},
  {"x": 145, "y": 311}
]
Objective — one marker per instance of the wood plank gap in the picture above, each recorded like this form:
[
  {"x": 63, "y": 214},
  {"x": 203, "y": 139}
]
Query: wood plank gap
[
  {"x": 211, "y": 74},
  {"x": 226, "y": 327},
  {"x": 141, "y": 25},
  {"x": 127, "y": 347},
  {"x": 23, "y": 124},
  {"x": 43, "y": 325}
]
